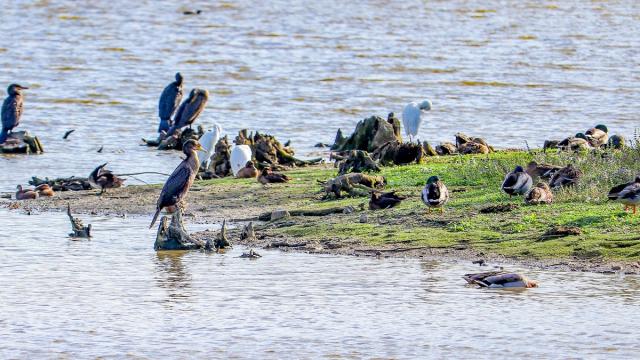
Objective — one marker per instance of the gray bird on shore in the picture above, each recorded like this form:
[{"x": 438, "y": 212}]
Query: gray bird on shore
[
  {"x": 517, "y": 182},
  {"x": 169, "y": 102},
  {"x": 11, "y": 110},
  {"x": 178, "y": 184},
  {"x": 189, "y": 110}
]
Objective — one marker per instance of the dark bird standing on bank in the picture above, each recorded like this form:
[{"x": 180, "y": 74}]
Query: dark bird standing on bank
[
  {"x": 627, "y": 194},
  {"x": 178, "y": 184},
  {"x": 435, "y": 194},
  {"x": 169, "y": 102},
  {"x": 190, "y": 109},
  {"x": 267, "y": 176},
  {"x": 517, "y": 182},
  {"x": 103, "y": 179},
  {"x": 384, "y": 200},
  {"x": 11, "y": 110}
]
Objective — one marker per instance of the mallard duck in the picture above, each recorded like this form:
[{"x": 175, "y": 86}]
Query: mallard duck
[
  {"x": 575, "y": 143},
  {"x": 25, "y": 194},
  {"x": 435, "y": 194},
  {"x": 539, "y": 194},
  {"x": 616, "y": 142},
  {"x": 566, "y": 176},
  {"x": 473, "y": 147},
  {"x": 45, "y": 190},
  {"x": 544, "y": 171},
  {"x": 598, "y": 136},
  {"x": 384, "y": 200},
  {"x": 178, "y": 184},
  {"x": 267, "y": 176},
  {"x": 248, "y": 172},
  {"x": 499, "y": 279},
  {"x": 517, "y": 182},
  {"x": 628, "y": 194},
  {"x": 446, "y": 148},
  {"x": 103, "y": 179}
]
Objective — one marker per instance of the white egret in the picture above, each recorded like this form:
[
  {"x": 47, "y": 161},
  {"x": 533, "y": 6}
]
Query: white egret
[
  {"x": 240, "y": 156},
  {"x": 411, "y": 117},
  {"x": 208, "y": 142}
]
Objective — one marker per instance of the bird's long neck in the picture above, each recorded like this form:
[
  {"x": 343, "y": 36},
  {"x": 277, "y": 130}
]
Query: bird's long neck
[{"x": 193, "y": 161}]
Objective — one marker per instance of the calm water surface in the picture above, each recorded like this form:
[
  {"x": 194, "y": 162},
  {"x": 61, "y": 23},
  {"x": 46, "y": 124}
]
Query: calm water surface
[
  {"x": 508, "y": 70},
  {"x": 114, "y": 297}
]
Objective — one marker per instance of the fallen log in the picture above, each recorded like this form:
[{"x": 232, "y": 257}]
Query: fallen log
[
  {"x": 321, "y": 212},
  {"x": 356, "y": 161},
  {"x": 352, "y": 183}
]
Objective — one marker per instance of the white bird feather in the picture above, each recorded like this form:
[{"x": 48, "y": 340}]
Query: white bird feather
[
  {"x": 208, "y": 142},
  {"x": 240, "y": 155},
  {"x": 412, "y": 117}
]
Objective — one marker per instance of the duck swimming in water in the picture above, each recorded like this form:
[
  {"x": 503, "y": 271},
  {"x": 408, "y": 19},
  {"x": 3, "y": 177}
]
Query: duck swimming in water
[
  {"x": 267, "y": 176},
  {"x": 517, "y": 182},
  {"x": 45, "y": 190},
  {"x": 169, "y": 102},
  {"x": 627, "y": 194},
  {"x": 499, "y": 279},
  {"x": 12, "y": 108},
  {"x": 539, "y": 194},
  {"x": 103, "y": 179},
  {"x": 248, "y": 172},
  {"x": 435, "y": 194},
  {"x": 25, "y": 194},
  {"x": 178, "y": 184}
]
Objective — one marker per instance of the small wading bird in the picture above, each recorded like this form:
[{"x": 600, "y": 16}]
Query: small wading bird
[
  {"x": 169, "y": 102},
  {"x": 178, "y": 184},
  {"x": 517, "y": 182},
  {"x": 248, "y": 172},
  {"x": 597, "y": 136},
  {"x": 25, "y": 194},
  {"x": 539, "y": 194},
  {"x": 11, "y": 110},
  {"x": 499, "y": 279},
  {"x": 103, "y": 179},
  {"x": 435, "y": 194},
  {"x": 189, "y": 110},
  {"x": 208, "y": 142},
  {"x": 240, "y": 155},
  {"x": 412, "y": 117},
  {"x": 627, "y": 194}
]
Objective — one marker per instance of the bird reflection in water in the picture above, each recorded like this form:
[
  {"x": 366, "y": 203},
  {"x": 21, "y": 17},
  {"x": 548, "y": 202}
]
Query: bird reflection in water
[{"x": 173, "y": 276}]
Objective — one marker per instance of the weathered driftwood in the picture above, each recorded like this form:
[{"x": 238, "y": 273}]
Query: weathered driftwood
[
  {"x": 220, "y": 164},
  {"x": 355, "y": 161},
  {"x": 428, "y": 149},
  {"x": 472, "y": 145},
  {"x": 77, "y": 226},
  {"x": 267, "y": 149},
  {"x": 175, "y": 141},
  {"x": 21, "y": 142},
  {"x": 321, "y": 212},
  {"x": 173, "y": 236},
  {"x": 248, "y": 232},
  {"x": 252, "y": 254},
  {"x": 398, "y": 153},
  {"x": 369, "y": 135},
  {"x": 221, "y": 241},
  {"x": 356, "y": 184},
  {"x": 63, "y": 184}
]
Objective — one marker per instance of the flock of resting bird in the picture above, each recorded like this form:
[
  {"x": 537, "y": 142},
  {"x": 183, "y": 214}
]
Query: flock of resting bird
[{"x": 434, "y": 195}]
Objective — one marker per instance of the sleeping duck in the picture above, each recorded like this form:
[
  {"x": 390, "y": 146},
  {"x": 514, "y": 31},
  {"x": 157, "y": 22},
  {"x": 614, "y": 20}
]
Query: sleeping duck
[
  {"x": 435, "y": 194},
  {"x": 384, "y": 200},
  {"x": 499, "y": 279},
  {"x": 25, "y": 194},
  {"x": 544, "y": 171},
  {"x": 539, "y": 194},
  {"x": 597, "y": 136},
  {"x": 627, "y": 194},
  {"x": 45, "y": 190},
  {"x": 575, "y": 143},
  {"x": 567, "y": 176},
  {"x": 249, "y": 171},
  {"x": 267, "y": 176},
  {"x": 517, "y": 182}
]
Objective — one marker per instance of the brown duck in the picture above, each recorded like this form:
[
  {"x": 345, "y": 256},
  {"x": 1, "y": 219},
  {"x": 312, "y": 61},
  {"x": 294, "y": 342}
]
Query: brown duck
[
  {"x": 249, "y": 171},
  {"x": 567, "y": 176},
  {"x": 45, "y": 190},
  {"x": 267, "y": 176},
  {"x": 25, "y": 194},
  {"x": 103, "y": 179},
  {"x": 539, "y": 194},
  {"x": 544, "y": 171},
  {"x": 384, "y": 200}
]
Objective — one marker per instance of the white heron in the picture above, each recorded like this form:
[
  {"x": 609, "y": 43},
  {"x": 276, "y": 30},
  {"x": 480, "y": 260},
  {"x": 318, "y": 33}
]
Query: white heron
[
  {"x": 240, "y": 155},
  {"x": 208, "y": 142},
  {"x": 411, "y": 117}
]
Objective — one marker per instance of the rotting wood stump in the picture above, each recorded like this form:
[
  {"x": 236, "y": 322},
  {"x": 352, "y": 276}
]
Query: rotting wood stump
[
  {"x": 21, "y": 142},
  {"x": 355, "y": 161},
  {"x": 172, "y": 235},
  {"x": 77, "y": 226}
]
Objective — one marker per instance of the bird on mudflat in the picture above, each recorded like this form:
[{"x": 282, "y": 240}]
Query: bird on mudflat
[
  {"x": 248, "y": 172},
  {"x": 412, "y": 117},
  {"x": 103, "y": 179},
  {"x": 208, "y": 142},
  {"x": 178, "y": 184},
  {"x": 435, "y": 194},
  {"x": 25, "y": 194},
  {"x": 45, "y": 190},
  {"x": 12, "y": 108},
  {"x": 267, "y": 177},
  {"x": 240, "y": 155},
  {"x": 517, "y": 182},
  {"x": 499, "y": 279},
  {"x": 627, "y": 194},
  {"x": 189, "y": 110},
  {"x": 169, "y": 102}
]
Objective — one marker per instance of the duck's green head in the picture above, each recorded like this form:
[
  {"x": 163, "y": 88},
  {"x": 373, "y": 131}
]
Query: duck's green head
[
  {"x": 432, "y": 180},
  {"x": 581, "y": 136},
  {"x": 602, "y": 127},
  {"x": 518, "y": 169}
]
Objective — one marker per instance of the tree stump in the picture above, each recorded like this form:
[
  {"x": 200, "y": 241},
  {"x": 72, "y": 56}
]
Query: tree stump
[
  {"x": 173, "y": 236},
  {"x": 369, "y": 135},
  {"x": 221, "y": 241},
  {"x": 21, "y": 142},
  {"x": 398, "y": 153},
  {"x": 248, "y": 233},
  {"x": 78, "y": 228},
  {"x": 355, "y": 161}
]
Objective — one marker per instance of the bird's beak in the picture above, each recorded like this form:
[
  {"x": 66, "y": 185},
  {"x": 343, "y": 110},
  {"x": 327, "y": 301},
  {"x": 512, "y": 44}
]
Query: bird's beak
[
  {"x": 22, "y": 87},
  {"x": 199, "y": 147}
]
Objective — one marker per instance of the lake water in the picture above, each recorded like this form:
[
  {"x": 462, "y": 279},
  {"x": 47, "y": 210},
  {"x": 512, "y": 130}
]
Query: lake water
[
  {"x": 508, "y": 71},
  {"x": 114, "y": 297}
]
